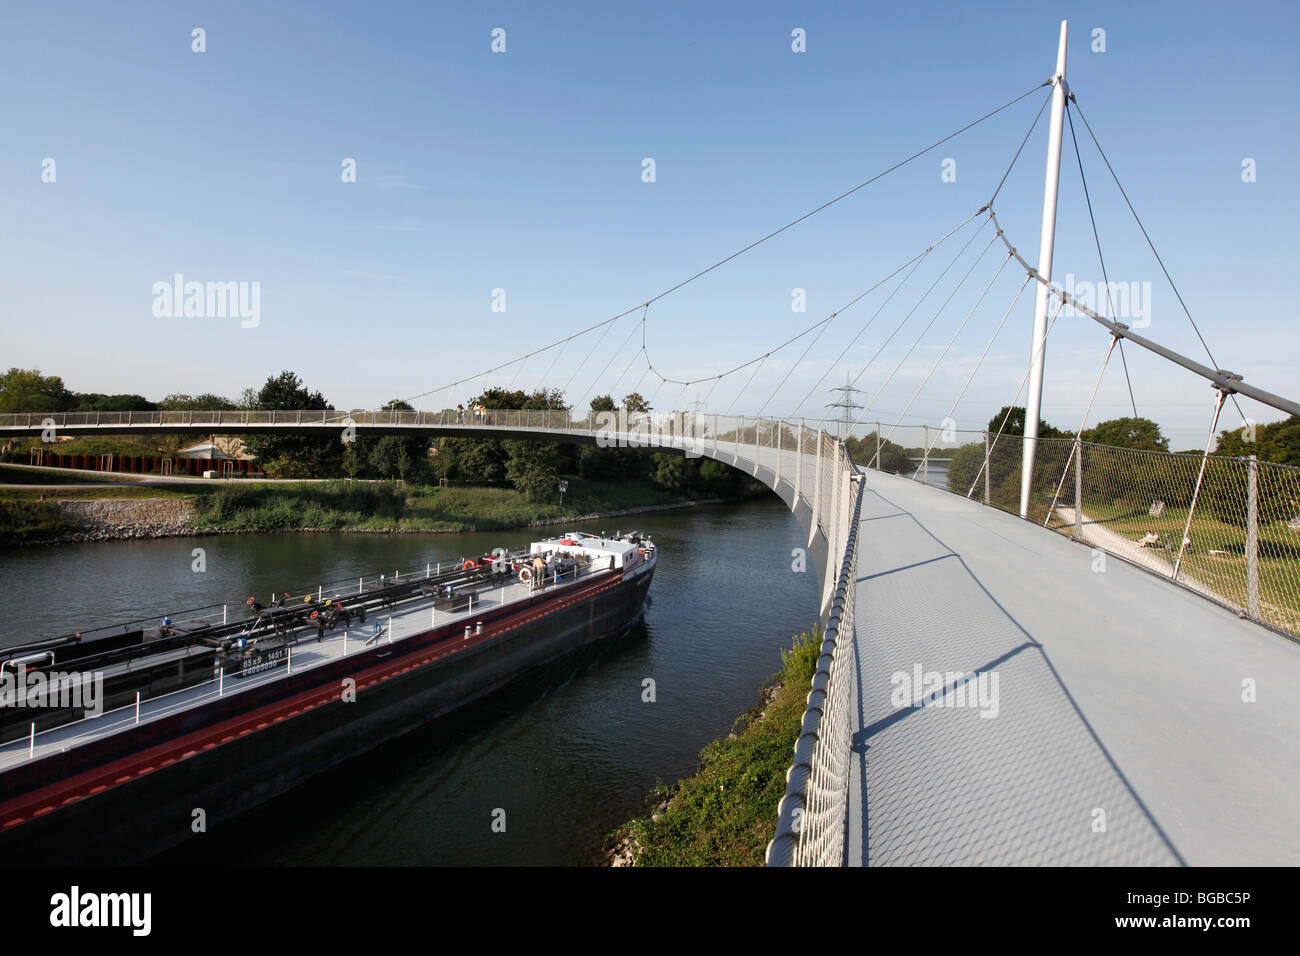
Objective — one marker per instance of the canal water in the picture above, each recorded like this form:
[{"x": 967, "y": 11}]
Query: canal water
[{"x": 567, "y": 753}]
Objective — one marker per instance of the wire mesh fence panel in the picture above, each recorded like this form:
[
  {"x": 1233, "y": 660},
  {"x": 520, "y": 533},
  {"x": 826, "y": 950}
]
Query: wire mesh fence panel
[{"x": 811, "y": 817}]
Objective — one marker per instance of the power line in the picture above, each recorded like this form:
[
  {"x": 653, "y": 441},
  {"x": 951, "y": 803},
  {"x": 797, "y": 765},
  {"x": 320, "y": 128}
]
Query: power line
[{"x": 739, "y": 252}]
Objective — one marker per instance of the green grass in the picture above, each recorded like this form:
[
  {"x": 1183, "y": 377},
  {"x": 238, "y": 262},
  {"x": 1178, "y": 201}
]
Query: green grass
[
  {"x": 725, "y": 815},
  {"x": 52, "y": 476},
  {"x": 1225, "y": 572},
  {"x": 22, "y": 521},
  {"x": 387, "y": 506}
]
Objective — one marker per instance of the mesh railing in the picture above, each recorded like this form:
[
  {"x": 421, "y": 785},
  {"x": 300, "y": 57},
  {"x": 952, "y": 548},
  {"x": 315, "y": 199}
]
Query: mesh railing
[
  {"x": 811, "y": 815},
  {"x": 1239, "y": 546}
]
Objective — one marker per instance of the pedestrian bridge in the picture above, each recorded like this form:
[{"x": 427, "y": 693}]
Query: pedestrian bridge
[{"x": 990, "y": 692}]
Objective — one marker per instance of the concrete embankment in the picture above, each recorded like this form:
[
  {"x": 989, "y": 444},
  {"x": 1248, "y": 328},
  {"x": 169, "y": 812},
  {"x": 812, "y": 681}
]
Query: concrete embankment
[{"x": 113, "y": 519}]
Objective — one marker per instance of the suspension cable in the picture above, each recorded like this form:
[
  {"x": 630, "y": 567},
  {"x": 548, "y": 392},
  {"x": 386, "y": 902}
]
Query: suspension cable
[
  {"x": 948, "y": 347},
  {"x": 935, "y": 318},
  {"x": 1078, "y": 436},
  {"x": 1096, "y": 238},
  {"x": 740, "y": 252},
  {"x": 1187, "y": 530},
  {"x": 978, "y": 365},
  {"x": 989, "y": 457},
  {"x": 1178, "y": 295}
]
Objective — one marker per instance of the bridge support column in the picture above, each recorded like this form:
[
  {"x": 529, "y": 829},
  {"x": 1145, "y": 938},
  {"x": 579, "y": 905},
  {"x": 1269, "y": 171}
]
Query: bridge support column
[{"x": 1047, "y": 238}]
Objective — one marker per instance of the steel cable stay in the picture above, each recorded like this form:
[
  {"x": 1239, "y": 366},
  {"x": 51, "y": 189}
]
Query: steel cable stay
[
  {"x": 739, "y": 252},
  {"x": 513, "y": 378},
  {"x": 748, "y": 382},
  {"x": 583, "y": 364},
  {"x": 944, "y": 354},
  {"x": 925, "y": 331},
  {"x": 992, "y": 447},
  {"x": 978, "y": 365},
  {"x": 915, "y": 263},
  {"x": 1032, "y": 126},
  {"x": 1136, "y": 218},
  {"x": 1218, "y": 377},
  {"x": 1200, "y": 476},
  {"x": 1096, "y": 238},
  {"x": 592, "y": 390},
  {"x": 911, "y": 312},
  {"x": 1077, "y": 454}
]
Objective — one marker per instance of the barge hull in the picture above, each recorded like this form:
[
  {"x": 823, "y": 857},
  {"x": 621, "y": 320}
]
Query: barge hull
[{"x": 142, "y": 803}]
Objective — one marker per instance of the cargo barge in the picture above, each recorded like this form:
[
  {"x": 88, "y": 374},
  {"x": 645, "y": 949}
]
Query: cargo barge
[{"x": 120, "y": 743}]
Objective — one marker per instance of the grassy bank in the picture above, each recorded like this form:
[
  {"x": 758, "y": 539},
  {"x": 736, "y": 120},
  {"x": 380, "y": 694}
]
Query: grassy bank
[
  {"x": 23, "y": 521},
  {"x": 386, "y": 506},
  {"x": 725, "y": 815}
]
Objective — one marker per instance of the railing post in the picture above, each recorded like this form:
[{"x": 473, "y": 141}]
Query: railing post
[
  {"x": 1252, "y": 538},
  {"x": 988, "y": 466},
  {"x": 925, "y": 461},
  {"x": 1078, "y": 489},
  {"x": 798, "y": 465},
  {"x": 758, "y": 423},
  {"x": 776, "y": 484},
  {"x": 877, "y": 458},
  {"x": 817, "y": 489}
]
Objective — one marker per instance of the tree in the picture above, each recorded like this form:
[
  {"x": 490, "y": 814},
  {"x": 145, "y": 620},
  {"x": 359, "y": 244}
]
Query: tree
[
  {"x": 1278, "y": 442},
  {"x": 98, "y": 402},
  {"x": 295, "y": 456},
  {"x": 1015, "y": 423},
  {"x": 27, "y": 390},
  {"x": 351, "y": 460},
  {"x": 673, "y": 473},
  {"x": 893, "y": 458},
  {"x": 1139, "y": 433},
  {"x": 207, "y": 401},
  {"x": 533, "y": 468},
  {"x": 395, "y": 455},
  {"x": 1224, "y": 490},
  {"x": 635, "y": 403}
]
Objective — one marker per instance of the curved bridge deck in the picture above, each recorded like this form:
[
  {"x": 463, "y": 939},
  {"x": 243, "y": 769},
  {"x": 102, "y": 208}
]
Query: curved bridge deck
[{"x": 1116, "y": 692}]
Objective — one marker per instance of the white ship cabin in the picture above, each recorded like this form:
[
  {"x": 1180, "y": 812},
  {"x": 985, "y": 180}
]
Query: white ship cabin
[{"x": 594, "y": 550}]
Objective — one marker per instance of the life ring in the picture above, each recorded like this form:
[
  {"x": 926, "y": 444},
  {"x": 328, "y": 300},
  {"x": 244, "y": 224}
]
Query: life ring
[
  {"x": 469, "y": 565},
  {"x": 313, "y": 615},
  {"x": 526, "y": 575}
]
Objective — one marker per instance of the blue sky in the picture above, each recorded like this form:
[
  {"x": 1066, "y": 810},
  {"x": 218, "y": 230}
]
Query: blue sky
[{"x": 522, "y": 171}]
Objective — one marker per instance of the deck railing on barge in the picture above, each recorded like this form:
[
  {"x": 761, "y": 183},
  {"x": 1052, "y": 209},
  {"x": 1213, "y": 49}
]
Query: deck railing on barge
[{"x": 132, "y": 713}]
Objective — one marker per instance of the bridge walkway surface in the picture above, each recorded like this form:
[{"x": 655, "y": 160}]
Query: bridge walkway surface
[{"x": 1117, "y": 692}]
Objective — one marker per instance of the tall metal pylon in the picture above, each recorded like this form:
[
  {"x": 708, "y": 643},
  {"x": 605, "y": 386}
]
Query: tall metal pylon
[
  {"x": 1046, "y": 241},
  {"x": 847, "y": 404}
]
